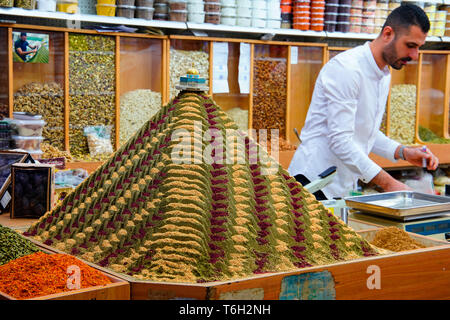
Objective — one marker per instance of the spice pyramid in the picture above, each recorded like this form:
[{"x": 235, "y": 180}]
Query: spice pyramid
[{"x": 144, "y": 215}]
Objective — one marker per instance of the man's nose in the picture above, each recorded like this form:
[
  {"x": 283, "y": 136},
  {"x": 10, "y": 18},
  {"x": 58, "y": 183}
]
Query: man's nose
[{"x": 414, "y": 54}]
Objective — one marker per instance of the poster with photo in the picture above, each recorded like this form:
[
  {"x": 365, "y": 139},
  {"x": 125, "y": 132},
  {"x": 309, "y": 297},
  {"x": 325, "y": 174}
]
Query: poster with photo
[{"x": 30, "y": 47}]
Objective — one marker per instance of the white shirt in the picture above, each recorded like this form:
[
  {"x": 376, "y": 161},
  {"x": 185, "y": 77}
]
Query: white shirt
[{"x": 343, "y": 121}]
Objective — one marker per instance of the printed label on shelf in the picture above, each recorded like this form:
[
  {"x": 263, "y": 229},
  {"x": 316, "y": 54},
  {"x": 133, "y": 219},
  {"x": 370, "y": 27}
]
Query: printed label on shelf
[
  {"x": 294, "y": 55},
  {"x": 220, "y": 67},
  {"x": 5, "y": 200},
  {"x": 244, "y": 68}
]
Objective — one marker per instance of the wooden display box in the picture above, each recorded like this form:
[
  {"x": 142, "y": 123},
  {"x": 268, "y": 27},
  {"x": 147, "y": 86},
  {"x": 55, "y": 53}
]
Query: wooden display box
[
  {"x": 119, "y": 289},
  {"x": 416, "y": 274}
]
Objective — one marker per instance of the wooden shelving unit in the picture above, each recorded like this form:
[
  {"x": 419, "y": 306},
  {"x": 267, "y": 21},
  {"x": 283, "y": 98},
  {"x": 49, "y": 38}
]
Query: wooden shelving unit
[{"x": 143, "y": 61}]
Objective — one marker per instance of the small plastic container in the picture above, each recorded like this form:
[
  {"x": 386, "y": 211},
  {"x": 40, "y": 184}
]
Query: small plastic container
[
  {"x": 212, "y": 17},
  {"x": 196, "y": 17},
  {"x": 163, "y": 8},
  {"x": 177, "y": 5},
  {"x": 344, "y": 9},
  {"x": 27, "y": 143},
  {"x": 244, "y": 3},
  {"x": 357, "y": 3},
  {"x": 259, "y": 14},
  {"x": 342, "y": 26},
  {"x": 441, "y": 15},
  {"x": 7, "y": 3},
  {"x": 383, "y": 5},
  {"x": 286, "y": 9},
  {"x": 228, "y": 21},
  {"x": 330, "y": 26},
  {"x": 259, "y": 4},
  {"x": 228, "y": 3},
  {"x": 108, "y": 10},
  {"x": 145, "y": 13},
  {"x": 394, "y": 4},
  {"x": 46, "y": 5},
  {"x": 28, "y": 128},
  {"x": 212, "y": 7},
  {"x": 438, "y": 32},
  {"x": 301, "y": 26},
  {"x": 301, "y": 20},
  {"x": 356, "y": 19},
  {"x": 161, "y": 16},
  {"x": 196, "y": 6},
  {"x": 274, "y": 14},
  {"x": 316, "y": 26},
  {"x": 125, "y": 11},
  {"x": 343, "y": 17},
  {"x": 380, "y": 13},
  {"x": 331, "y": 8},
  {"x": 330, "y": 16},
  {"x": 439, "y": 24},
  {"x": 286, "y": 25},
  {"x": 355, "y": 28},
  {"x": 258, "y": 23},
  {"x": 367, "y": 28},
  {"x": 25, "y": 4},
  {"x": 273, "y": 23},
  {"x": 244, "y": 22},
  {"x": 67, "y": 6},
  {"x": 286, "y": 16},
  {"x": 316, "y": 15},
  {"x": 144, "y": 3},
  {"x": 178, "y": 15},
  {"x": 244, "y": 12},
  {"x": 118, "y": 3},
  {"x": 370, "y": 4},
  {"x": 229, "y": 11}
]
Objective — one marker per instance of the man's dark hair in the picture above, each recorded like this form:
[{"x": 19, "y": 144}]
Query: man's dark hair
[
  {"x": 23, "y": 34},
  {"x": 405, "y": 16}
]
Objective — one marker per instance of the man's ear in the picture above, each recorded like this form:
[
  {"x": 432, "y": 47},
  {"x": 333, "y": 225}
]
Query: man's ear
[{"x": 387, "y": 34}]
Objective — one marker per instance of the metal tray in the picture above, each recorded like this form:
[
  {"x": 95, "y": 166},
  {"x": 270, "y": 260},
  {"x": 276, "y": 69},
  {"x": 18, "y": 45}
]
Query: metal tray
[{"x": 399, "y": 204}]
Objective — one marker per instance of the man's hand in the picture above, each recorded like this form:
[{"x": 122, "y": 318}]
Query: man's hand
[
  {"x": 388, "y": 183},
  {"x": 414, "y": 155}
]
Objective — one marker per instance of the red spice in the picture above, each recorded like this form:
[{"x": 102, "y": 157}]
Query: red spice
[{"x": 41, "y": 274}]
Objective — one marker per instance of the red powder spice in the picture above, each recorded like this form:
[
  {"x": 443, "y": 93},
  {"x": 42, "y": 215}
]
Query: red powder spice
[{"x": 41, "y": 274}]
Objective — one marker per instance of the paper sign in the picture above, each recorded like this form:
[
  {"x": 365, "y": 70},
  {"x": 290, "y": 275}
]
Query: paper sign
[
  {"x": 220, "y": 67},
  {"x": 244, "y": 68},
  {"x": 294, "y": 55}
]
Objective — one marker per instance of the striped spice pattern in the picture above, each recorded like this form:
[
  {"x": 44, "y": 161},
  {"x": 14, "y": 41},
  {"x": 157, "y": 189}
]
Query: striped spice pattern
[{"x": 146, "y": 216}]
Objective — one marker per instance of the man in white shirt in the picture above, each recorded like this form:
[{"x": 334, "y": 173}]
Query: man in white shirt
[{"x": 347, "y": 106}]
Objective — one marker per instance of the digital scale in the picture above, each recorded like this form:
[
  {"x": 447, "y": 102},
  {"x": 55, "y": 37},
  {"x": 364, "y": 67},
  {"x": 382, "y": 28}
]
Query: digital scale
[
  {"x": 415, "y": 212},
  {"x": 437, "y": 227}
]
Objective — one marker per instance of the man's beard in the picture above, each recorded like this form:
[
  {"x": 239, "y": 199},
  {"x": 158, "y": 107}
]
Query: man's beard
[{"x": 390, "y": 56}]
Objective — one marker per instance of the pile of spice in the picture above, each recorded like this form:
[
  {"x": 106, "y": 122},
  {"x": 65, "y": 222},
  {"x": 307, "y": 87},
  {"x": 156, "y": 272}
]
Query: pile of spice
[
  {"x": 41, "y": 274},
  {"x": 13, "y": 245},
  {"x": 395, "y": 239},
  {"x": 147, "y": 214}
]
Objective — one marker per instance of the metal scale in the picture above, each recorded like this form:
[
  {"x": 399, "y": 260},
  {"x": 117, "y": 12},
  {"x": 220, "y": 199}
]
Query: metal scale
[{"x": 420, "y": 213}]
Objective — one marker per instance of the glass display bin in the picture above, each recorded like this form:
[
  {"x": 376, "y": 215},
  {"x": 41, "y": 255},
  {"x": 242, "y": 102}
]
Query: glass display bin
[
  {"x": 231, "y": 80},
  {"x": 305, "y": 63},
  {"x": 92, "y": 85},
  {"x": 402, "y": 104},
  {"x": 38, "y": 80},
  {"x": 4, "y": 74},
  {"x": 141, "y": 83},
  {"x": 185, "y": 54},
  {"x": 432, "y": 107},
  {"x": 270, "y": 88}
]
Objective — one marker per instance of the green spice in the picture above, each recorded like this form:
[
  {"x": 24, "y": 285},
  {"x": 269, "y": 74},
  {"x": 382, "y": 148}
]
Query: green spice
[
  {"x": 13, "y": 245},
  {"x": 429, "y": 136}
]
